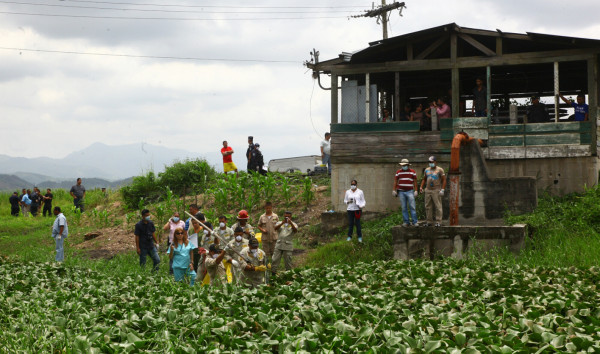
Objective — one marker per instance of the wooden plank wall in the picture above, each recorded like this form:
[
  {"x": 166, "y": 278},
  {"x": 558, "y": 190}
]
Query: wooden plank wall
[{"x": 387, "y": 147}]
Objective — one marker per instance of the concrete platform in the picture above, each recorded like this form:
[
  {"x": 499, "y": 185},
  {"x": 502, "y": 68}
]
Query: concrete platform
[{"x": 454, "y": 241}]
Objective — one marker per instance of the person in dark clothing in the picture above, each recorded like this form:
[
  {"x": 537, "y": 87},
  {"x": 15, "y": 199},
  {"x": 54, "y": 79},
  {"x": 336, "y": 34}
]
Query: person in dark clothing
[
  {"x": 479, "y": 108},
  {"x": 145, "y": 240},
  {"x": 23, "y": 208},
  {"x": 249, "y": 152},
  {"x": 36, "y": 201},
  {"x": 536, "y": 113},
  {"x": 48, "y": 202},
  {"x": 405, "y": 113},
  {"x": 14, "y": 204},
  {"x": 257, "y": 160}
]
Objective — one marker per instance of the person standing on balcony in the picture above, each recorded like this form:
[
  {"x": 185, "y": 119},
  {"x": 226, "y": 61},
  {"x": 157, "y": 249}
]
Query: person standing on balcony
[
  {"x": 536, "y": 113},
  {"x": 479, "y": 108},
  {"x": 582, "y": 110}
]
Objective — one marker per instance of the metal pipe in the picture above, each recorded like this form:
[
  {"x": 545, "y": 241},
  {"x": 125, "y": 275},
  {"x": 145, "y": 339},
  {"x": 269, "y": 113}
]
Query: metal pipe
[{"x": 459, "y": 140}]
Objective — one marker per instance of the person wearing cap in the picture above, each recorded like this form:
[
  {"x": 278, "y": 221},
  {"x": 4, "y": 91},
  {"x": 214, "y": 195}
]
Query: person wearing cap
[
  {"x": 233, "y": 249},
  {"x": 243, "y": 223},
  {"x": 214, "y": 266},
  {"x": 582, "y": 110},
  {"x": 257, "y": 160},
  {"x": 536, "y": 113},
  {"x": 249, "y": 152},
  {"x": 285, "y": 245},
  {"x": 355, "y": 200},
  {"x": 405, "y": 188},
  {"x": 434, "y": 184},
  {"x": 228, "y": 164},
  {"x": 253, "y": 264}
]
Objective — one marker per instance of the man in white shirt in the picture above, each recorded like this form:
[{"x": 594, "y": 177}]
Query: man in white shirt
[
  {"x": 60, "y": 231},
  {"x": 326, "y": 152},
  {"x": 355, "y": 199}
]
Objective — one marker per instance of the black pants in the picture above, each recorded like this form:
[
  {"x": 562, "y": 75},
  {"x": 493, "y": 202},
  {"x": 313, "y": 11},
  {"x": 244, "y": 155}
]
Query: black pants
[
  {"x": 14, "y": 211},
  {"x": 47, "y": 208},
  {"x": 33, "y": 209},
  {"x": 354, "y": 219}
]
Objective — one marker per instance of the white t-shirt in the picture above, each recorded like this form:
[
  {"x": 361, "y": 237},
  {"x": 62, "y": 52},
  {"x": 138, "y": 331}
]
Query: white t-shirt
[
  {"x": 193, "y": 239},
  {"x": 326, "y": 145}
]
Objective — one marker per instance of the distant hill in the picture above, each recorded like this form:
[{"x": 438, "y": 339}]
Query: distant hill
[
  {"x": 96, "y": 161},
  {"x": 13, "y": 183}
]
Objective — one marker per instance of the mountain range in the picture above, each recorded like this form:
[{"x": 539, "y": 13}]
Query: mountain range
[{"x": 109, "y": 164}]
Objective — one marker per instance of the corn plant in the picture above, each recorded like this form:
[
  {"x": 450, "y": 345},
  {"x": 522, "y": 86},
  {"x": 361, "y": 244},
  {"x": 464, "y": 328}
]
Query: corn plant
[{"x": 308, "y": 195}]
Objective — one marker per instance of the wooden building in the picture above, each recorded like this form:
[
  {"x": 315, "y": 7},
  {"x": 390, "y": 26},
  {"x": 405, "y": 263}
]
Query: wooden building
[{"x": 445, "y": 61}]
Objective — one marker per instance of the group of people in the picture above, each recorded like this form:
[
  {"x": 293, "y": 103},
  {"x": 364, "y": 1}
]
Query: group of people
[
  {"x": 30, "y": 202},
  {"x": 537, "y": 113},
  {"x": 220, "y": 255},
  {"x": 254, "y": 158}
]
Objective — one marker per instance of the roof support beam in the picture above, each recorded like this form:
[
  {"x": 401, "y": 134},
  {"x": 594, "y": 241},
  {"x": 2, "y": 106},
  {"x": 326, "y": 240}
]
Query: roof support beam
[
  {"x": 435, "y": 45},
  {"x": 593, "y": 65},
  {"x": 465, "y": 62},
  {"x": 475, "y": 43}
]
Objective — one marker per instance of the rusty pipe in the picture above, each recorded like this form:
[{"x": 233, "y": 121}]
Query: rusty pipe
[{"x": 459, "y": 140}]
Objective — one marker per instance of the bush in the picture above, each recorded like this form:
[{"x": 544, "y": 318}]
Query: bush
[{"x": 142, "y": 188}]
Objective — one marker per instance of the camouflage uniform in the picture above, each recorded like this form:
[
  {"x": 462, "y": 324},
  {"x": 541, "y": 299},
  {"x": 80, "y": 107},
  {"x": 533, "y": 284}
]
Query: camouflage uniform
[{"x": 252, "y": 278}]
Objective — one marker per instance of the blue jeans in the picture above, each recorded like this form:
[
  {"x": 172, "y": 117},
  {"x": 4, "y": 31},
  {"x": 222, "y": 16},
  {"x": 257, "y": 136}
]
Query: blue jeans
[
  {"x": 327, "y": 161},
  {"x": 180, "y": 274},
  {"x": 353, "y": 220},
  {"x": 407, "y": 200},
  {"x": 153, "y": 253},
  {"x": 60, "y": 249}
]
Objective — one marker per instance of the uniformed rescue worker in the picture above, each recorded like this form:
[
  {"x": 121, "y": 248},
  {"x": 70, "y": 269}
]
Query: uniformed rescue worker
[
  {"x": 284, "y": 246},
  {"x": 253, "y": 264},
  {"x": 236, "y": 245},
  {"x": 243, "y": 223},
  {"x": 214, "y": 266}
]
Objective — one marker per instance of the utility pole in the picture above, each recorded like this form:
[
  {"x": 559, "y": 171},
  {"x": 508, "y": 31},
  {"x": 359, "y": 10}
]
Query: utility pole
[{"x": 381, "y": 13}]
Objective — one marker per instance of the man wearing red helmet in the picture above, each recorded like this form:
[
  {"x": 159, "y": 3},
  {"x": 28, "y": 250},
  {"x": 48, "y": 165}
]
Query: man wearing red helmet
[{"x": 243, "y": 223}]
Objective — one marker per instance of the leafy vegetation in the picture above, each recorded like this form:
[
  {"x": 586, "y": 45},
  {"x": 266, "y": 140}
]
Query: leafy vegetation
[{"x": 442, "y": 306}]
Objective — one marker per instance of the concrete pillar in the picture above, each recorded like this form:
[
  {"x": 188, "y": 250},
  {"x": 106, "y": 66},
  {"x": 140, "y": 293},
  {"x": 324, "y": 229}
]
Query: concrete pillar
[
  {"x": 513, "y": 114},
  {"x": 458, "y": 248}
]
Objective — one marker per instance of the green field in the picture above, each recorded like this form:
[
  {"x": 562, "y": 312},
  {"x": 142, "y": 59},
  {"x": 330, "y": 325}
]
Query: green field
[{"x": 351, "y": 298}]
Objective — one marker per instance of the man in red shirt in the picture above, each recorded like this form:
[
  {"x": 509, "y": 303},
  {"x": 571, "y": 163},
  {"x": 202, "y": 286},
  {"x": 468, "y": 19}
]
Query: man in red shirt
[
  {"x": 228, "y": 164},
  {"x": 405, "y": 188}
]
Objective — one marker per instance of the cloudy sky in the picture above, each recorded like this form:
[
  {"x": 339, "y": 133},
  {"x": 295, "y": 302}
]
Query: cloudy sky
[{"x": 189, "y": 74}]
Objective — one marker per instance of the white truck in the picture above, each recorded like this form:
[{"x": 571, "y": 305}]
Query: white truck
[{"x": 304, "y": 164}]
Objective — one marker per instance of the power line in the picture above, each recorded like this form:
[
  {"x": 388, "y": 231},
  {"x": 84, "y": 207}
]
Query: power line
[
  {"x": 170, "y": 18},
  {"x": 213, "y": 6},
  {"x": 152, "y": 56},
  {"x": 262, "y": 11}
]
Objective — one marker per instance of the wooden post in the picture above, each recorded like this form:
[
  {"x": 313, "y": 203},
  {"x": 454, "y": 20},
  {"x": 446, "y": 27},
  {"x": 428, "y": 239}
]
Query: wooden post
[
  {"x": 498, "y": 45},
  {"x": 434, "y": 119},
  {"x": 556, "y": 91},
  {"x": 488, "y": 75},
  {"x": 397, "y": 96},
  {"x": 513, "y": 114},
  {"x": 334, "y": 99},
  {"x": 367, "y": 97},
  {"x": 455, "y": 93},
  {"x": 593, "y": 98}
]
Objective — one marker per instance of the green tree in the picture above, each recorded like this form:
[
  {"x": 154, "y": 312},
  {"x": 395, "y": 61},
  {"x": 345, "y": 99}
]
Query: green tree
[
  {"x": 145, "y": 187},
  {"x": 188, "y": 176}
]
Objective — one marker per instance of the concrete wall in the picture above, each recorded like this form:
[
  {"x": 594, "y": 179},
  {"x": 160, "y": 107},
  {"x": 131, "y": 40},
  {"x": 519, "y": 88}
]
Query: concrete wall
[{"x": 558, "y": 176}]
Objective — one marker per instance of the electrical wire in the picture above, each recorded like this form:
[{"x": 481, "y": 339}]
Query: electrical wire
[
  {"x": 215, "y": 6},
  {"x": 310, "y": 109},
  {"x": 152, "y": 56},
  {"x": 175, "y": 11},
  {"x": 170, "y": 18}
]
